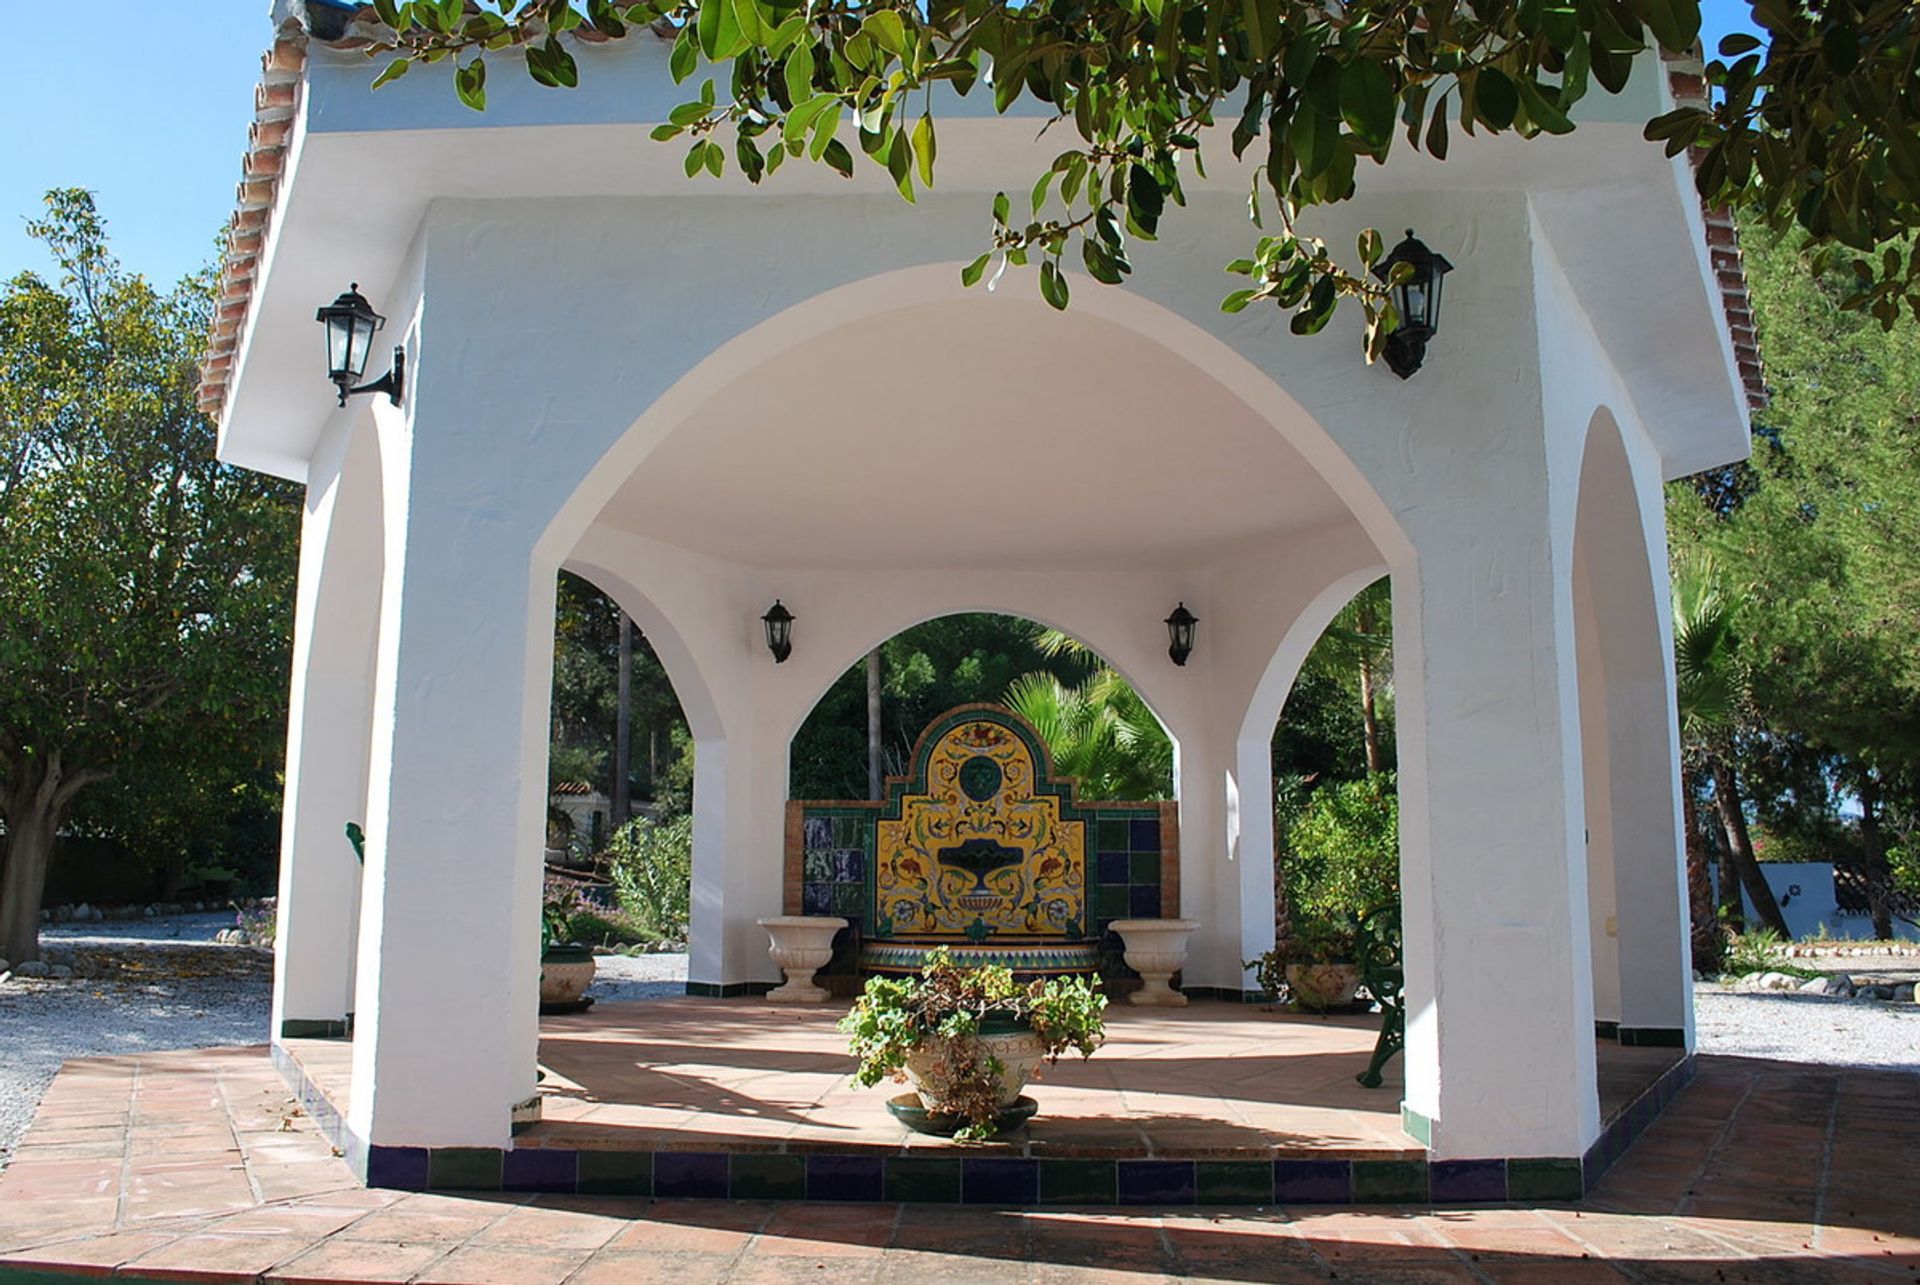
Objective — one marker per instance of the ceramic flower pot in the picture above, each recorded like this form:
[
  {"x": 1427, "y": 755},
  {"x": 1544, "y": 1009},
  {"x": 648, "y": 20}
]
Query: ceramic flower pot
[
  {"x": 1156, "y": 949},
  {"x": 565, "y": 973},
  {"x": 929, "y": 1066},
  {"x": 1319, "y": 986},
  {"x": 800, "y": 945}
]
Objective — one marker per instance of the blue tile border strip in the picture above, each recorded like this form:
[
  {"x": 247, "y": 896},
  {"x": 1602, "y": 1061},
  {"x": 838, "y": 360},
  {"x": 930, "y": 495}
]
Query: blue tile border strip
[{"x": 1006, "y": 1180}]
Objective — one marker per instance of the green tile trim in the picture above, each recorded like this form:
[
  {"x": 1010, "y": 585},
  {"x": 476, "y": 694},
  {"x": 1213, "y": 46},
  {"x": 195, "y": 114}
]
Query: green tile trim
[
  {"x": 1233, "y": 1182},
  {"x": 1416, "y": 1126},
  {"x": 923, "y": 1179},
  {"x": 1663, "y": 1037},
  {"x": 312, "y": 1028},
  {"x": 616, "y": 1173},
  {"x": 1393, "y": 1182},
  {"x": 1144, "y": 868},
  {"x": 464, "y": 1168},
  {"x": 1606, "y": 1030},
  {"x": 1080, "y": 1182},
  {"x": 729, "y": 990},
  {"x": 767, "y": 1177},
  {"x": 1543, "y": 1178}
]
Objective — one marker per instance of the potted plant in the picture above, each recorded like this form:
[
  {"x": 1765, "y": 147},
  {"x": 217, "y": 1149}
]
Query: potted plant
[
  {"x": 968, "y": 1039},
  {"x": 1318, "y": 964},
  {"x": 566, "y": 966}
]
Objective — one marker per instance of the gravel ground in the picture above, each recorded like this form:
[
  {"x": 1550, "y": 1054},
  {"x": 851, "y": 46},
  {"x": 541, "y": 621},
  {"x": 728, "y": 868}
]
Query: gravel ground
[{"x": 161, "y": 984}]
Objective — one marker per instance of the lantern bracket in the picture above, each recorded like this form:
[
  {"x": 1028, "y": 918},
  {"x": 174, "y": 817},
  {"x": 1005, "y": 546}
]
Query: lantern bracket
[{"x": 393, "y": 383}]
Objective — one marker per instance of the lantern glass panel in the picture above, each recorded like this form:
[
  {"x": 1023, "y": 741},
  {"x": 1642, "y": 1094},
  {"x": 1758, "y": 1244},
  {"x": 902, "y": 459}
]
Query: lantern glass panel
[{"x": 339, "y": 344}]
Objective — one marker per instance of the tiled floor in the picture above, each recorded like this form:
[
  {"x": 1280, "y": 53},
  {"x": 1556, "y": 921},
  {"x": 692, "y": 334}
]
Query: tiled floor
[
  {"x": 1213, "y": 1079},
  {"x": 198, "y": 1166}
]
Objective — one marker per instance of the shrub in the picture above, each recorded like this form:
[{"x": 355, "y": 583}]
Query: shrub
[{"x": 651, "y": 864}]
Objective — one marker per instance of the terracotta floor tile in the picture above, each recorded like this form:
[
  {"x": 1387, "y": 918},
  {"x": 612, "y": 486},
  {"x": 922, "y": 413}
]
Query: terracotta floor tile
[
  {"x": 96, "y": 1255},
  {"x": 534, "y": 1228},
  {"x": 362, "y": 1262},
  {"x": 504, "y": 1265},
  {"x": 213, "y": 1257},
  {"x": 625, "y": 1267}
]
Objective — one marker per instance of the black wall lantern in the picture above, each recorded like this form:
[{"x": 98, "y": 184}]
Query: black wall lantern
[
  {"x": 351, "y": 325},
  {"x": 779, "y": 623},
  {"x": 1418, "y": 300},
  {"x": 1180, "y": 634}
]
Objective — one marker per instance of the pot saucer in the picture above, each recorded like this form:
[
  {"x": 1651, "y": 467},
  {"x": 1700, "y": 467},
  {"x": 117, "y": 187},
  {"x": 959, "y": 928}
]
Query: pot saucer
[{"x": 907, "y": 1110}]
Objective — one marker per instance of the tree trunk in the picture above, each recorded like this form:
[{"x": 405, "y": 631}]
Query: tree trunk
[
  {"x": 1369, "y": 722},
  {"x": 1739, "y": 847},
  {"x": 34, "y": 807},
  {"x": 623, "y": 729},
  {"x": 1873, "y": 842},
  {"x": 874, "y": 782},
  {"x": 1707, "y": 940}
]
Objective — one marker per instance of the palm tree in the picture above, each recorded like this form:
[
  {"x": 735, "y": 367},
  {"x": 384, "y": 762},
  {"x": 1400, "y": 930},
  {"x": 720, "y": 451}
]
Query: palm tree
[
  {"x": 1356, "y": 652},
  {"x": 1710, "y": 686},
  {"x": 1100, "y": 732}
]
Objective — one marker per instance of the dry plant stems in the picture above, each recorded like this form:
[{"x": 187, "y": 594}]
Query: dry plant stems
[{"x": 946, "y": 1008}]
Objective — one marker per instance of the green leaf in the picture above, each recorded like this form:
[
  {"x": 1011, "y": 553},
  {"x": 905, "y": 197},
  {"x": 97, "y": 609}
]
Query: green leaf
[
  {"x": 1367, "y": 103},
  {"x": 837, "y": 156},
  {"x": 1237, "y": 301},
  {"x": 716, "y": 159},
  {"x": 662, "y": 133},
  {"x": 707, "y": 26},
  {"x": 824, "y": 129},
  {"x": 1001, "y": 208},
  {"x": 971, "y": 274},
  {"x": 392, "y": 71},
  {"x": 1370, "y": 247},
  {"x": 1437, "y": 131},
  {"x": 799, "y": 74},
  {"x": 753, "y": 27},
  {"x": 900, "y": 164},
  {"x": 1053, "y": 284},
  {"x": 804, "y": 115},
  {"x": 923, "y": 148},
  {"x": 885, "y": 29},
  {"x": 696, "y": 157},
  {"x": 470, "y": 83},
  {"x": 685, "y": 56},
  {"x": 1495, "y": 100}
]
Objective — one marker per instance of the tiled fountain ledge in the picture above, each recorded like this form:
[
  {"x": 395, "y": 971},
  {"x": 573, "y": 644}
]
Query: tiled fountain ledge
[
  {"x": 1213, "y": 1104},
  {"x": 196, "y": 1166}
]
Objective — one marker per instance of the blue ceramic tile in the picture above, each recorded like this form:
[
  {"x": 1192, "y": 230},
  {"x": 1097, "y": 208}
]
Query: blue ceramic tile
[
  {"x": 816, "y": 899},
  {"x": 819, "y": 832},
  {"x": 540, "y": 1170},
  {"x": 994, "y": 1181},
  {"x": 850, "y": 865},
  {"x": 844, "y": 1177},
  {"x": 698, "y": 1175},
  {"x": 1313, "y": 1182},
  {"x": 1156, "y": 1182},
  {"x": 1143, "y": 902},
  {"x": 1456, "y": 1181},
  {"x": 401, "y": 1168},
  {"x": 1113, "y": 867},
  {"x": 1143, "y": 834}
]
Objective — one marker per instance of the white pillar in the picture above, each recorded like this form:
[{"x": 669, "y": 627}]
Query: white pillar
[
  {"x": 1500, "y": 1039},
  {"x": 447, "y": 1007},
  {"x": 1596, "y": 759},
  {"x": 329, "y": 714},
  {"x": 739, "y": 836}
]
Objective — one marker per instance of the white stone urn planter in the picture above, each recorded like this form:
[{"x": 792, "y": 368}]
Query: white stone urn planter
[
  {"x": 800, "y": 944},
  {"x": 1156, "y": 949}
]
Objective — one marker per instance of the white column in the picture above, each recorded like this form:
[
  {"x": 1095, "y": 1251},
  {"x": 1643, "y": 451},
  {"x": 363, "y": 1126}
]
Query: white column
[
  {"x": 337, "y": 612},
  {"x": 1500, "y": 1040},
  {"x": 1596, "y": 758},
  {"x": 447, "y": 1007},
  {"x": 739, "y": 836}
]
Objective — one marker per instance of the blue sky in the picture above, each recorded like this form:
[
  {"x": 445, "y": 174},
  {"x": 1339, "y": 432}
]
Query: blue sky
[{"x": 156, "y": 119}]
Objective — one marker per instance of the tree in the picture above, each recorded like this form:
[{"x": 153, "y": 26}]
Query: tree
[
  {"x": 1099, "y": 732},
  {"x": 1711, "y": 693},
  {"x": 146, "y": 589},
  {"x": 1355, "y": 653},
  {"x": 1817, "y": 541},
  {"x": 1817, "y": 128}
]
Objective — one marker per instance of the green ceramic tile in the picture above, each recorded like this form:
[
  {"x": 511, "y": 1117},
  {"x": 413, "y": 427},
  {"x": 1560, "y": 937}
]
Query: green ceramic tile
[
  {"x": 1077, "y": 1182},
  {"x": 1389, "y": 1182},
  {"x": 849, "y": 899},
  {"x": 1111, "y": 903},
  {"x": 1144, "y": 867},
  {"x": 768, "y": 1177},
  {"x": 1416, "y": 1126},
  {"x": 818, "y": 867},
  {"x": 1112, "y": 834},
  {"x": 923, "y": 1179},
  {"x": 1543, "y": 1179},
  {"x": 616, "y": 1173},
  {"x": 464, "y": 1169},
  {"x": 1234, "y": 1182}
]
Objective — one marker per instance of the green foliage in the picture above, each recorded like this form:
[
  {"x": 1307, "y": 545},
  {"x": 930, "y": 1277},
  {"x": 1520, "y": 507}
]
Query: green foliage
[
  {"x": 1100, "y": 733},
  {"x": 945, "y": 1008},
  {"x": 585, "y": 706},
  {"x": 651, "y": 864},
  {"x": 1819, "y": 130},
  {"x": 148, "y": 590},
  {"x": 1761, "y": 951},
  {"x": 1339, "y": 849}
]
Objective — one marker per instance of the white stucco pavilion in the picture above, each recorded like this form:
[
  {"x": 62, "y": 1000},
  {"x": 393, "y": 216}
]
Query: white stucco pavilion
[{"x": 702, "y": 396}]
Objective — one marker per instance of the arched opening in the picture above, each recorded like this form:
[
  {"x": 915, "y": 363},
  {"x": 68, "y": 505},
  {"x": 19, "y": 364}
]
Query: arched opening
[{"x": 1635, "y": 881}]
